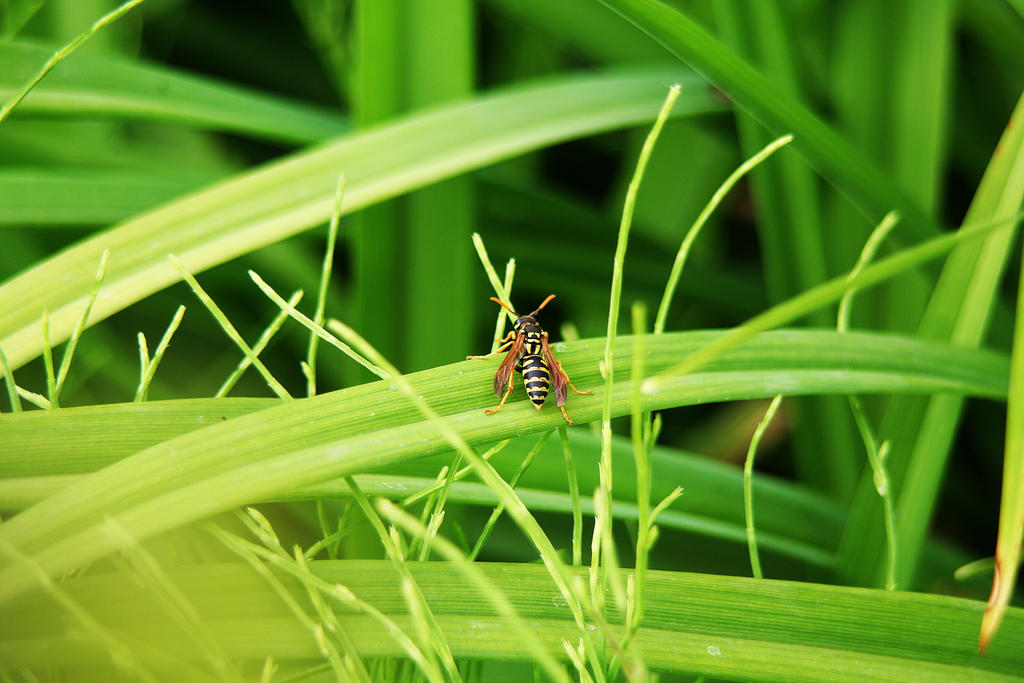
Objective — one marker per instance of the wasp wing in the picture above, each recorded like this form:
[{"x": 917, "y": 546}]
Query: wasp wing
[
  {"x": 504, "y": 373},
  {"x": 559, "y": 380}
]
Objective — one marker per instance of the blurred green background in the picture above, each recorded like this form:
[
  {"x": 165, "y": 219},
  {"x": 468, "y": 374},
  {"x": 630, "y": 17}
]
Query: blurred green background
[{"x": 922, "y": 89}]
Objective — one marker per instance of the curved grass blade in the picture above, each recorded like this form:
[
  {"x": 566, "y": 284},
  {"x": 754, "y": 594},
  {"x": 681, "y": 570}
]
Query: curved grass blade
[
  {"x": 257, "y": 208},
  {"x": 117, "y": 88},
  {"x": 346, "y": 432},
  {"x": 734, "y": 628},
  {"x": 832, "y": 156}
]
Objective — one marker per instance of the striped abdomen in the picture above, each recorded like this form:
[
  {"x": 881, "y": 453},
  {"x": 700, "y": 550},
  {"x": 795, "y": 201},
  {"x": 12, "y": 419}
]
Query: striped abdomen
[{"x": 536, "y": 377}]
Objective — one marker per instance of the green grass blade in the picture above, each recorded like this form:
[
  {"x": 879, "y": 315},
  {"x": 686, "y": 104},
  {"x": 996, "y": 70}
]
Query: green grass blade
[
  {"x": 921, "y": 431},
  {"x": 1011, "y": 505},
  {"x": 63, "y": 53},
  {"x": 698, "y": 624},
  {"x": 111, "y": 87},
  {"x": 269, "y": 204},
  {"x": 829, "y": 154},
  {"x": 276, "y": 449},
  {"x": 748, "y": 487}
]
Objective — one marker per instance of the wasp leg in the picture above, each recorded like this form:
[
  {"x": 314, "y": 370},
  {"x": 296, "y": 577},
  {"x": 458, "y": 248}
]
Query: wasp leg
[
  {"x": 497, "y": 350},
  {"x": 566, "y": 415},
  {"x": 569, "y": 381},
  {"x": 508, "y": 393}
]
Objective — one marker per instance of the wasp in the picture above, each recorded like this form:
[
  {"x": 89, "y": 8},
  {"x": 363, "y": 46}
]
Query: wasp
[{"x": 530, "y": 354}]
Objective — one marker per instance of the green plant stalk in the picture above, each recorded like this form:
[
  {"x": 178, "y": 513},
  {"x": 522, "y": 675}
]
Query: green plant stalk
[
  {"x": 423, "y": 617},
  {"x": 921, "y": 430},
  {"x": 748, "y": 485},
  {"x": 874, "y": 241},
  {"x": 876, "y": 459},
  {"x": 261, "y": 343},
  {"x": 876, "y": 454},
  {"x": 315, "y": 328},
  {"x": 641, "y": 456},
  {"x": 831, "y": 155},
  {"x": 229, "y": 329},
  {"x": 12, "y": 390},
  {"x": 283, "y": 198},
  {"x": 329, "y": 623},
  {"x": 461, "y": 474},
  {"x": 597, "y": 559},
  {"x": 474, "y": 575},
  {"x": 69, "y": 350},
  {"x": 252, "y": 554},
  {"x": 513, "y": 482},
  {"x": 142, "y": 567},
  {"x": 62, "y": 53},
  {"x": 574, "y": 498},
  {"x": 702, "y": 218},
  {"x": 143, "y": 360},
  {"x": 325, "y": 279},
  {"x": 51, "y": 381},
  {"x": 1011, "y": 509},
  {"x": 823, "y": 294},
  {"x": 504, "y": 292},
  {"x": 35, "y": 399},
  {"x": 121, "y": 654},
  {"x": 499, "y": 324},
  {"x": 575, "y": 599},
  {"x": 148, "y": 367}
]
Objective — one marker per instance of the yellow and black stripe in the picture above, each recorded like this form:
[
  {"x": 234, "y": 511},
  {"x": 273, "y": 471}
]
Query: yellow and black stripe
[{"x": 536, "y": 378}]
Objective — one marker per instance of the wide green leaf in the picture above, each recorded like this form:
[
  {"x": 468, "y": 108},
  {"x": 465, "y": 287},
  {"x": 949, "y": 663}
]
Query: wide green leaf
[
  {"x": 303, "y": 442},
  {"x": 699, "y": 624}
]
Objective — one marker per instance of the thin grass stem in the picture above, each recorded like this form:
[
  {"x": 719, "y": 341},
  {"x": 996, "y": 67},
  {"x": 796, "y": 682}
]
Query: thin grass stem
[
  {"x": 313, "y": 327},
  {"x": 12, "y": 388},
  {"x": 874, "y": 241},
  {"x": 229, "y": 329},
  {"x": 748, "y": 488},
  {"x": 420, "y": 611},
  {"x": 492, "y": 274},
  {"x": 513, "y": 482},
  {"x": 261, "y": 343},
  {"x": 574, "y": 497},
  {"x": 605, "y": 469},
  {"x": 121, "y": 654},
  {"x": 253, "y": 554},
  {"x": 642, "y": 462},
  {"x": 472, "y": 573},
  {"x": 575, "y": 598},
  {"x": 875, "y": 453},
  {"x": 458, "y": 476},
  {"x": 142, "y": 393},
  {"x": 64, "y": 52},
  {"x": 51, "y": 380},
  {"x": 705, "y": 214},
  {"x": 325, "y": 278},
  {"x": 83, "y": 320},
  {"x": 823, "y": 294},
  {"x": 32, "y": 397},
  {"x": 499, "y": 325}
]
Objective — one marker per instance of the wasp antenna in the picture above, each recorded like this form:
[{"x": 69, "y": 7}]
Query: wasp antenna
[
  {"x": 543, "y": 304},
  {"x": 504, "y": 305}
]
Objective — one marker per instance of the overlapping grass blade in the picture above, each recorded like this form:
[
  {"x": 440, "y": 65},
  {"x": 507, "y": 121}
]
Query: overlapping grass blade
[
  {"x": 285, "y": 197},
  {"x": 830, "y": 155},
  {"x": 700, "y": 624},
  {"x": 277, "y": 449},
  {"x": 118, "y": 88},
  {"x": 921, "y": 430}
]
